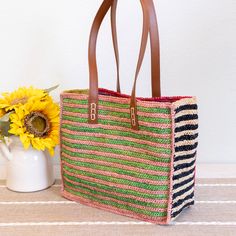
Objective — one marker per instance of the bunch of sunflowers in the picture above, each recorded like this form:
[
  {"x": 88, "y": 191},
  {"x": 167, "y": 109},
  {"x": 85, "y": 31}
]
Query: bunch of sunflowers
[{"x": 32, "y": 115}]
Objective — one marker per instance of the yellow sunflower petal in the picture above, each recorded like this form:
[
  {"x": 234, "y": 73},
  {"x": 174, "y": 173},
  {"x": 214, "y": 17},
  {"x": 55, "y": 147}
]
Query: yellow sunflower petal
[
  {"x": 25, "y": 141},
  {"x": 37, "y": 144},
  {"x": 2, "y": 112},
  {"x": 49, "y": 110},
  {"x": 51, "y": 151},
  {"x": 19, "y": 97}
]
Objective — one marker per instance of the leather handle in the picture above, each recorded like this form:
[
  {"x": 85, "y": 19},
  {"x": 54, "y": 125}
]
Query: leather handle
[
  {"x": 149, "y": 20},
  {"x": 133, "y": 104},
  {"x": 155, "y": 53},
  {"x": 93, "y": 73},
  {"x": 115, "y": 43},
  {"x": 154, "y": 37}
]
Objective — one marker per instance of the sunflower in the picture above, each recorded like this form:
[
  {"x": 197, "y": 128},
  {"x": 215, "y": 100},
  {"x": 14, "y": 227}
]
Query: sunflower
[
  {"x": 37, "y": 124},
  {"x": 11, "y": 101},
  {"x": 2, "y": 113}
]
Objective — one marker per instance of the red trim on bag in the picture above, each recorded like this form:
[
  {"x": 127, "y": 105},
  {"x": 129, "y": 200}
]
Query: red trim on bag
[{"x": 103, "y": 91}]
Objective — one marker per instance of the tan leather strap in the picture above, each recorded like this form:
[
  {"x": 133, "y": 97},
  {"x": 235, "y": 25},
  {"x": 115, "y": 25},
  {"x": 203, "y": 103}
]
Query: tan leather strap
[
  {"x": 115, "y": 43},
  {"x": 133, "y": 105},
  {"x": 155, "y": 52},
  {"x": 148, "y": 10},
  {"x": 154, "y": 37},
  {"x": 93, "y": 73}
]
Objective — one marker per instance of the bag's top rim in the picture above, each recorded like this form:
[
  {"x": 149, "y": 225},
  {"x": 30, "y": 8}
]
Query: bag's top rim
[{"x": 111, "y": 93}]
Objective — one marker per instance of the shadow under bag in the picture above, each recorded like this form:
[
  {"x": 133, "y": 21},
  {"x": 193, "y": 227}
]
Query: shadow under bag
[{"x": 125, "y": 154}]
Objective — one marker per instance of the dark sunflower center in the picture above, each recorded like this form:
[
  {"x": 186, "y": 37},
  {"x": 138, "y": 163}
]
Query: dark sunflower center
[{"x": 37, "y": 124}]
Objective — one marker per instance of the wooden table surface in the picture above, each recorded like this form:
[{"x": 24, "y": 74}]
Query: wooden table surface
[{"x": 47, "y": 213}]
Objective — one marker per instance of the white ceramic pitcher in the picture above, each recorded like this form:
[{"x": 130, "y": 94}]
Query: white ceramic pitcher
[{"x": 27, "y": 170}]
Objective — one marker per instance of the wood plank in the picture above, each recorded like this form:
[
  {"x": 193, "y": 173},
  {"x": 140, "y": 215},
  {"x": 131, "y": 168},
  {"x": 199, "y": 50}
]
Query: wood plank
[
  {"x": 78, "y": 212},
  {"x": 119, "y": 231},
  {"x": 65, "y": 211}
]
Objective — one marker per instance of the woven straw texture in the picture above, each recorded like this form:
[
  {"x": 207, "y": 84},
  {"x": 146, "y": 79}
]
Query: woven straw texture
[
  {"x": 185, "y": 139},
  {"x": 134, "y": 173}
]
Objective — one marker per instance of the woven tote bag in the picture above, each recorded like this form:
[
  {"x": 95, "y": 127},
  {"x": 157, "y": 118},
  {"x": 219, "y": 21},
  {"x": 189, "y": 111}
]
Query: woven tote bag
[{"x": 125, "y": 154}]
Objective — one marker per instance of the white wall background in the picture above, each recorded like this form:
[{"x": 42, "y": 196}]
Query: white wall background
[{"x": 43, "y": 43}]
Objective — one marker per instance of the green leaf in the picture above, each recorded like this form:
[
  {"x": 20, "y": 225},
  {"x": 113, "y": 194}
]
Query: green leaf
[
  {"x": 4, "y": 128},
  {"x": 51, "y": 89},
  {"x": 6, "y": 117}
]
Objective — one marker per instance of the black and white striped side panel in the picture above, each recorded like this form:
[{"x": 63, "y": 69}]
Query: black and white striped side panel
[{"x": 186, "y": 134}]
